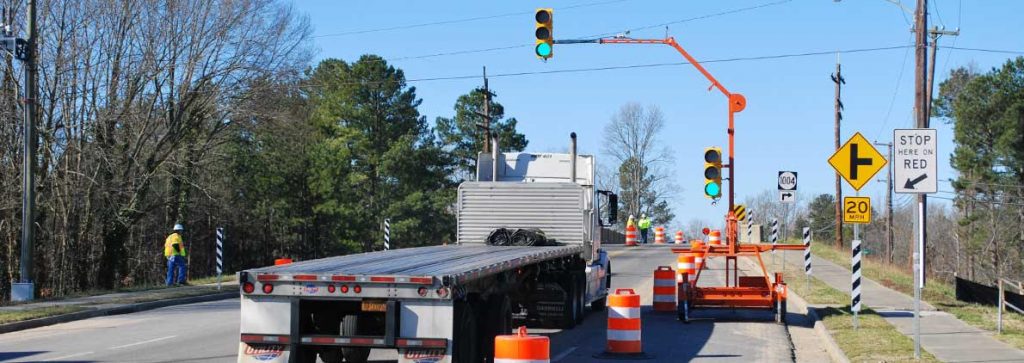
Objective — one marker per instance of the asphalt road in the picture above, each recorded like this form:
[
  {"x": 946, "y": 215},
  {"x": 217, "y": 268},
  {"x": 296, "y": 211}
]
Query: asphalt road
[{"x": 208, "y": 332}]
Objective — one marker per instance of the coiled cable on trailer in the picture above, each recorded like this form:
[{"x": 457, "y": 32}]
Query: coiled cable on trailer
[{"x": 519, "y": 237}]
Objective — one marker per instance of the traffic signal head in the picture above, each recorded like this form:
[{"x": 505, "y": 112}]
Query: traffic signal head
[
  {"x": 544, "y": 34},
  {"x": 713, "y": 172}
]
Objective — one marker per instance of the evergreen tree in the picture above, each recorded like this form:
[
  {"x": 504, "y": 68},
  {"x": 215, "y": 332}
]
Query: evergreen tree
[{"x": 461, "y": 135}]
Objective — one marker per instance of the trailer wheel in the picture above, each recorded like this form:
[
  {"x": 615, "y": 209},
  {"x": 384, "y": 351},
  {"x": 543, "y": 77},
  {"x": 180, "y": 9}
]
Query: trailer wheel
[
  {"x": 570, "y": 306},
  {"x": 466, "y": 342},
  {"x": 350, "y": 327},
  {"x": 497, "y": 321}
]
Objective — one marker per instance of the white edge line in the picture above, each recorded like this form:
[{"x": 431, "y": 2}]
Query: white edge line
[
  {"x": 143, "y": 342},
  {"x": 563, "y": 354}
]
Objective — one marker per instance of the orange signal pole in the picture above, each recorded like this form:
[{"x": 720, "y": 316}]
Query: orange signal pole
[{"x": 736, "y": 104}]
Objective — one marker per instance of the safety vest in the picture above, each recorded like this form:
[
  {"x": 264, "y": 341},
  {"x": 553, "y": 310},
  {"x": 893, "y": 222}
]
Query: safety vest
[
  {"x": 645, "y": 223},
  {"x": 172, "y": 240}
]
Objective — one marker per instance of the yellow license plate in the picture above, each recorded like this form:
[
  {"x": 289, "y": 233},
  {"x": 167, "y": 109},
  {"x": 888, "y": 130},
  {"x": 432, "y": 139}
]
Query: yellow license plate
[{"x": 375, "y": 305}]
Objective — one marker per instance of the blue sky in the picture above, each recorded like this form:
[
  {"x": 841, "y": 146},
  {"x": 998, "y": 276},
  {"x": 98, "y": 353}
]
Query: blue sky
[{"x": 788, "y": 122}]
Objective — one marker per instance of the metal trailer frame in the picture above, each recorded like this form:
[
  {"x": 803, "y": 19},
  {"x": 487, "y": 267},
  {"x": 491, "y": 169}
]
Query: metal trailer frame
[{"x": 419, "y": 287}]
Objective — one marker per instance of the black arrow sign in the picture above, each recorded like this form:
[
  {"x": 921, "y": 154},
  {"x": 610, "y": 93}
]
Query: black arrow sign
[
  {"x": 786, "y": 196},
  {"x": 911, "y": 183}
]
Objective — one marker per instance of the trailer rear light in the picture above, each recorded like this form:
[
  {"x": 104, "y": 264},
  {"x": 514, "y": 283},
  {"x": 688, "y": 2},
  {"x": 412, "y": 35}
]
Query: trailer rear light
[
  {"x": 357, "y": 289},
  {"x": 344, "y": 289},
  {"x": 267, "y": 277},
  {"x": 429, "y": 343},
  {"x": 381, "y": 279},
  {"x": 343, "y": 278},
  {"x": 259, "y": 338},
  {"x": 422, "y": 291},
  {"x": 442, "y": 292},
  {"x": 330, "y": 288},
  {"x": 422, "y": 280},
  {"x": 304, "y": 277},
  {"x": 268, "y": 288},
  {"x": 248, "y": 287}
]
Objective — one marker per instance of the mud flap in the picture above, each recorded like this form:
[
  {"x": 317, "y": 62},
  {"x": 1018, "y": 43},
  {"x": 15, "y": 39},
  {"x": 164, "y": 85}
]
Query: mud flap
[
  {"x": 424, "y": 355},
  {"x": 263, "y": 353}
]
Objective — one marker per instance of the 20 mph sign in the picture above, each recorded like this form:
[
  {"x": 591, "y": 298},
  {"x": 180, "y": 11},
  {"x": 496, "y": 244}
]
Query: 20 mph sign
[{"x": 915, "y": 163}]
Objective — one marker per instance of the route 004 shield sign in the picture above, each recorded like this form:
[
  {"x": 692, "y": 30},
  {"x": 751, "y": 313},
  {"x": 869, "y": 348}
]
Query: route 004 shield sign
[{"x": 857, "y": 210}]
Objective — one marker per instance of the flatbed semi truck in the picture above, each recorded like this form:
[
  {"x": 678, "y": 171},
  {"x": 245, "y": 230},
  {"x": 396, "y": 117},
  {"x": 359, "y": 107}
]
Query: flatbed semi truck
[{"x": 528, "y": 252}]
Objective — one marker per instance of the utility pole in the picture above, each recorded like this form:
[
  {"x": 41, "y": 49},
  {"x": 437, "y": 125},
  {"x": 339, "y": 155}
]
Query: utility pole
[
  {"x": 837, "y": 78},
  {"x": 889, "y": 240},
  {"x": 486, "y": 125},
  {"x": 26, "y": 288},
  {"x": 921, "y": 115}
]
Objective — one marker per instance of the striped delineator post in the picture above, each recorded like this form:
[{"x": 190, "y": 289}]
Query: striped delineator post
[
  {"x": 522, "y": 348},
  {"x": 664, "y": 289},
  {"x": 220, "y": 255},
  {"x": 807, "y": 254},
  {"x": 775, "y": 231},
  {"x": 387, "y": 234},
  {"x": 624, "y": 323},
  {"x": 855, "y": 277}
]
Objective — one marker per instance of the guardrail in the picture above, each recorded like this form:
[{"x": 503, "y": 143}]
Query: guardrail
[{"x": 1003, "y": 303}]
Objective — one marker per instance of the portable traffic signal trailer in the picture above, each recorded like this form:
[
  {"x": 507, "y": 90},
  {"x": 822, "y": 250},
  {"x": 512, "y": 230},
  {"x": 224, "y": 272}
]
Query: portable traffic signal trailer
[{"x": 739, "y": 292}]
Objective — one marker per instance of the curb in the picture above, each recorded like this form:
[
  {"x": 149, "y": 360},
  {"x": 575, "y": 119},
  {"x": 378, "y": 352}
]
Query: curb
[
  {"x": 117, "y": 310},
  {"x": 829, "y": 343}
]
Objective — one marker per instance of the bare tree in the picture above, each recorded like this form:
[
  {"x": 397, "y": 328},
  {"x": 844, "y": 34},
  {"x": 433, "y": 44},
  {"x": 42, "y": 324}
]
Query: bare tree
[{"x": 632, "y": 140}]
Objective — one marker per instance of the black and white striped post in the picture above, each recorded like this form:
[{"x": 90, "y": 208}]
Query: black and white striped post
[
  {"x": 220, "y": 255},
  {"x": 807, "y": 255},
  {"x": 775, "y": 239},
  {"x": 855, "y": 288},
  {"x": 750, "y": 226},
  {"x": 387, "y": 234}
]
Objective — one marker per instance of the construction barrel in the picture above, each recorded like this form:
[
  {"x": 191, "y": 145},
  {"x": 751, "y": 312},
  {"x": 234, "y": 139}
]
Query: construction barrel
[
  {"x": 685, "y": 264},
  {"x": 624, "y": 323},
  {"x": 521, "y": 348},
  {"x": 664, "y": 289},
  {"x": 679, "y": 238},
  {"x": 631, "y": 235},
  {"x": 697, "y": 246},
  {"x": 715, "y": 237},
  {"x": 659, "y": 235}
]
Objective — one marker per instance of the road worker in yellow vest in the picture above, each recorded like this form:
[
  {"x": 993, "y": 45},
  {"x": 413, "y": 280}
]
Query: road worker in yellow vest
[
  {"x": 645, "y": 225},
  {"x": 174, "y": 251}
]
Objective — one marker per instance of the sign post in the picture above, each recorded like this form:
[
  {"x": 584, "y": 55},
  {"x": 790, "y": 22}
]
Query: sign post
[
  {"x": 915, "y": 171},
  {"x": 857, "y": 162}
]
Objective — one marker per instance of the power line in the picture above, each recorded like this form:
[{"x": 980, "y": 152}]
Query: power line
[
  {"x": 456, "y": 21},
  {"x": 988, "y": 184},
  {"x": 701, "y": 17},
  {"x": 989, "y": 50},
  {"x": 978, "y": 200},
  {"x": 895, "y": 92}
]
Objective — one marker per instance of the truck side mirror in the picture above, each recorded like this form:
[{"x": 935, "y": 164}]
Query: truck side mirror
[{"x": 613, "y": 208}]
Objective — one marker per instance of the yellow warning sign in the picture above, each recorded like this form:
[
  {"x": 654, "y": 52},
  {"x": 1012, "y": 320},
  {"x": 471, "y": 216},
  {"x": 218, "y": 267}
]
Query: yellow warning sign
[
  {"x": 857, "y": 161},
  {"x": 857, "y": 210}
]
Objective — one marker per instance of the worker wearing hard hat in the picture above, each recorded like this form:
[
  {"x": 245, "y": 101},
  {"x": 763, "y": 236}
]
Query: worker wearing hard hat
[
  {"x": 644, "y": 224},
  {"x": 174, "y": 251}
]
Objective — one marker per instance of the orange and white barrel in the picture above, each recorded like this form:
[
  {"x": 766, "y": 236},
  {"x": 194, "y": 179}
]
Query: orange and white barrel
[
  {"x": 679, "y": 237},
  {"x": 624, "y": 322},
  {"x": 659, "y": 235},
  {"x": 664, "y": 289},
  {"x": 715, "y": 237},
  {"x": 685, "y": 265},
  {"x": 521, "y": 348},
  {"x": 631, "y": 235},
  {"x": 697, "y": 246}
]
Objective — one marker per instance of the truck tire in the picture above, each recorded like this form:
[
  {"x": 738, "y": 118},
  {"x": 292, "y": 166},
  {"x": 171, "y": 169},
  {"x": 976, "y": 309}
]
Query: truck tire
[
  {"x": 466, "y": 342},
  {"x": 581, "y": 297},
  {"x": 570, "y": 304},
  {"x": 349, "y": 327},
  {"x": 497, "y": 321}
]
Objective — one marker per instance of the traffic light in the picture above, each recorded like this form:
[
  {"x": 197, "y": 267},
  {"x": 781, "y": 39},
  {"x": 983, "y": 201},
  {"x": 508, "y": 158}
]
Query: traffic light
[
  {"x": 713, "y": 172},
  {"x": 545, "y": 36}
]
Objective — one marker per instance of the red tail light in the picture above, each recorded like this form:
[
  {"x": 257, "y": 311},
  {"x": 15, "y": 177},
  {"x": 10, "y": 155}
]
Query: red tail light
[
  {"x": 344, "y": 289},
  {"x": 357, "y": 289},
  {"x": 248, "y": 287},
  {"x": 330, "y": 288},
  {"x": 422, "y": 291},
  {"x": 268, "y": 288}
]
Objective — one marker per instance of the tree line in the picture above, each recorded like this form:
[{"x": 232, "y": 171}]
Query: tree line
[{"x": 209, "y": 114}]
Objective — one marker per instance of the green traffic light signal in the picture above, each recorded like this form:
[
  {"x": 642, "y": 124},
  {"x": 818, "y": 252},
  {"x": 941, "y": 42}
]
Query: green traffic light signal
[
  {"x": 712, "y": 189},
  {"x": 713, "y": 172},
  {"x": 543, "y": 50}
]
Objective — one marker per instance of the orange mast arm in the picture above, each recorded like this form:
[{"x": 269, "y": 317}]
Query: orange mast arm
[{"x": 672, "y": 42}]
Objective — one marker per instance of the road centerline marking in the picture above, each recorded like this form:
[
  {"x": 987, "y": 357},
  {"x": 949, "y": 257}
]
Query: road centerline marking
[
  {"x": 564, "y": 354},
  {"x": 67, "y": 356},
  {"x": 143, "y": 342}
]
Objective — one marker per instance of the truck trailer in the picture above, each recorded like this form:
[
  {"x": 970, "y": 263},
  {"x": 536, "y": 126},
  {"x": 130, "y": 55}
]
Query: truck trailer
[{"x": 527, "y": 252}]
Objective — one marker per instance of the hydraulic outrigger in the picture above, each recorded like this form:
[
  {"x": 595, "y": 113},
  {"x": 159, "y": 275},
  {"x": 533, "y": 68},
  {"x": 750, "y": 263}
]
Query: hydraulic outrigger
[{"x": 750, "y": 292}]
